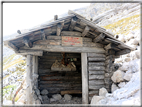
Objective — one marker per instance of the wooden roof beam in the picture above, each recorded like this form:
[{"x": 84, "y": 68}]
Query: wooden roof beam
[
  {"x": 31, "y": 52},
  {"x": 73, "y": 23},
  {"x": 86, "y": 30},
  {"x": 27, "y": 42},
  {"x": 122, "y": 52},
  {"x": 59, "y": 28},
  {"x": 99, "y": 38}
]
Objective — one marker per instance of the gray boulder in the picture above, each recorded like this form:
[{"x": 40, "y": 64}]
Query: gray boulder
[
  {"x": 57, "y": 96},
  {"x": 102, "y": 92},
  {"x": 67, "y": 97},
  {"x": 114, "y": 87},
  {"x": 118, "y": 76},
  {"x": 44, "y": 92}
]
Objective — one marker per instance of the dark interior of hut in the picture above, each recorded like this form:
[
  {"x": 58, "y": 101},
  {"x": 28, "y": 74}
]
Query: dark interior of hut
[{"x": 60, "y": 73}]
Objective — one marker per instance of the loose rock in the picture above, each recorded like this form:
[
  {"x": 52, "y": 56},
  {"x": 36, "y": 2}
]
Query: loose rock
[
  {"x": 96, "y": 99},
  {"x": 44, "y": 92},
  {"x": 118, "y": 76},
  {"x": 102, "y": 92},
  {"x": 113, "y": 88},
  {"x": 52, "y": 100},
  {"x": 44, "y": 97},
  {"x": 57, "y": 96},
  {"x": 128, "y": 76},
  {"x": 67, "y": 97},
  {"x": 121, "y": 84}
]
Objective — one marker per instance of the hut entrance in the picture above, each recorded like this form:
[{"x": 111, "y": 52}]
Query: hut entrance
[{"x": 60, "y": 74}]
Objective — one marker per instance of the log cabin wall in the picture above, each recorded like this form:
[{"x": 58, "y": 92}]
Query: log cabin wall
[
  {"x": 59, "y": 81},
  {"x": 96, "y": 72}
]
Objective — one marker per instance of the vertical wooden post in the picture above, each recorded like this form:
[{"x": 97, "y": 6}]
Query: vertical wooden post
[
  {"x": 35, "y": 64},
  {"x": 29, "y": 80},
  {"x": 35, "y": 68},
  {"x": 84, "y": 78}
]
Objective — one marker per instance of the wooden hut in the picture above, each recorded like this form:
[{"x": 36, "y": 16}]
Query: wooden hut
[{"x": 69, "y": 39}]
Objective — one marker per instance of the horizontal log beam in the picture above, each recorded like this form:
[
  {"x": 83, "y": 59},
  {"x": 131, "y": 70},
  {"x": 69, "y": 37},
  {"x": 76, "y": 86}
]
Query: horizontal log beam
[
  {"x": 66, "y": 49},
  {"x": 96, "y": 64},
  {"x": 96, "y": 82},
  {"x": 96, "y": 59},
  {"x": 30, "y": 52},
  {"x": 96, "y": 72},
  {"x": 96, "y": 86},
  {"x": 48, "y": 42},
  {"x": 93, "y": 77},
  {"x": 96, "y": 55}
]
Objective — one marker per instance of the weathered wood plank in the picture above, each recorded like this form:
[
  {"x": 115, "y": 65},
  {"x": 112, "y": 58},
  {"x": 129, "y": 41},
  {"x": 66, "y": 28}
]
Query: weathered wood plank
[
  {"x": 66, "y": 49},
  {"x": 95, "y": 68},
  {"x": 99, "y": 38},
  {"x": 28, "y": 80},
  {"x": 58, "y": 78},
  {"x": 96, "y": 59},
  {"x": 30, "y": 52},
  {"x": 96, "y": 72},
  {"x": 93, "y": 77},
  {"x": 96, "y": 86},
  {"x": 48, "y": 42},
  {"x": 96, "y": 55},
  {"x": 96, "y": 82},
  {"x": 92, "y": 44},
  {"x": 72, "y": 41},
  {"x": 84, "y": 78},
  {"x": 86, "y": 30},
  {"x": 93, "y": 92},
  {"x": 96, "y": 63}
]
